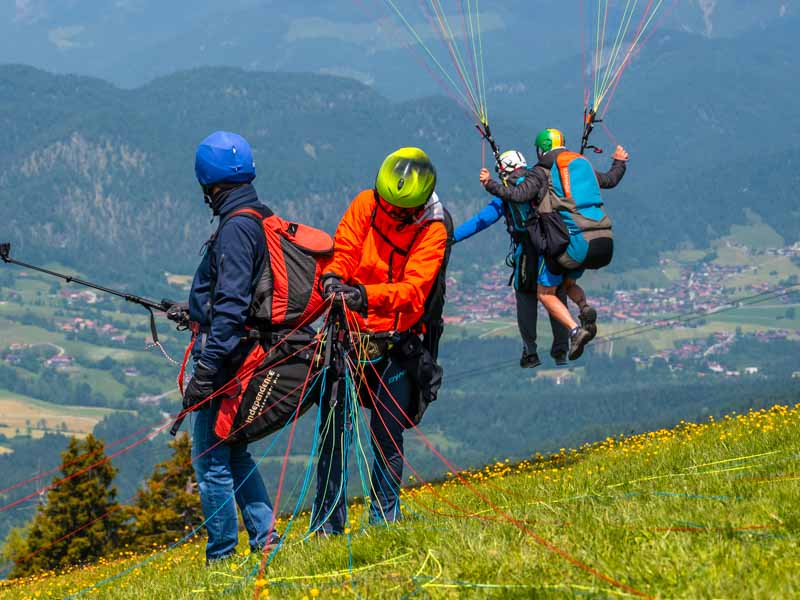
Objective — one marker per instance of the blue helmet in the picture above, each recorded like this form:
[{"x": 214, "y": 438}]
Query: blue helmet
[{"x": 224, "y": 157}]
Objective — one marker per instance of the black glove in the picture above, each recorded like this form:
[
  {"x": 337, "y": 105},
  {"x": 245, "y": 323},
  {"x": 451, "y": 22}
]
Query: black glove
[
  {"x": 326, "y": 281},
  {"x": 200, "y": 387},
  {"x": 353, "y": 296},
  {"x": 179, "y": 313}
]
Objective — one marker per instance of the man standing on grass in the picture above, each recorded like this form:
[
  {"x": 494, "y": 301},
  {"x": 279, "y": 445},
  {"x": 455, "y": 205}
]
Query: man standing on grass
[
  {"x": 390, "y": 248},
  {"x": 220, "y": 301}
]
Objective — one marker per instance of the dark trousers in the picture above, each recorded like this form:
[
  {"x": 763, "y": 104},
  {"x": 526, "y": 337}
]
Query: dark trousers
[
  {"x": 527, "y": 319},
  {"x": 339, "y": 427}
]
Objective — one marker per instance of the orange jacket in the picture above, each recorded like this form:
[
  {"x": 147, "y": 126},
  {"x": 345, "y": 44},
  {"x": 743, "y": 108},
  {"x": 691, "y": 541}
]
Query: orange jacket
[{"x": 397, "y": 277}]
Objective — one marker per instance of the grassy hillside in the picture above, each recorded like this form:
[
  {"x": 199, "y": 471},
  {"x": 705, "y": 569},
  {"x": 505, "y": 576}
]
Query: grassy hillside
[
  {"x": 17, "y": 413},
  {"x": 704, "y": 510}
]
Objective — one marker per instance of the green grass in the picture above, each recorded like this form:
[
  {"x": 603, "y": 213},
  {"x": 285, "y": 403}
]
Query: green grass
[
  {"x": 604, "y": 280},
  {"x": 15, "y": 333},
  {"x": 703, "y": 511},
  {"x": 17, "y": 411},
  {"x": 101, "y": 382},
  {"x": 767, "y": 317},
  {"x": 28, "y": 286},
  {"x": 756, "y": 235}
]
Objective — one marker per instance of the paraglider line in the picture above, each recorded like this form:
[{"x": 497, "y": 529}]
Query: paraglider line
[
  {"x": 516, "y": 522},
  {"x": 651, "y": 33}
]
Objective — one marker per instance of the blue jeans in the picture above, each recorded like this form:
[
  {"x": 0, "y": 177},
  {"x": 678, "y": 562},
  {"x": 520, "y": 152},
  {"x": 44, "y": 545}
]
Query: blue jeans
[
  {"x": 386, "y": 426},
  {"x": 220, "y": 471}
]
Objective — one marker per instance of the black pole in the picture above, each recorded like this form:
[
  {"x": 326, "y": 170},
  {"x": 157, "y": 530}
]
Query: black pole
[
  {"x": 589, "y": 121},
  {"x": 335, "y": 350},
  {"x": 486, "y": 133},
  {"x": 176, "y": 426},
  {"x": 150, "y": 305},
  {"x": 163, "y": 306}
]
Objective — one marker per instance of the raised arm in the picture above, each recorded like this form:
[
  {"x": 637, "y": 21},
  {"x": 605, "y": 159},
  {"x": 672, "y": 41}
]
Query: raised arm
[
  {"x": 488, "y": 216},
  {"x": 614, "y": 175},
  {"x": 527, "y": 191}
]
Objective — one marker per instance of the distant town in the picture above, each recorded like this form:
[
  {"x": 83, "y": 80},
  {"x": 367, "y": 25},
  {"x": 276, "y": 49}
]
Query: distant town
[{"x": 696, "y": 292}]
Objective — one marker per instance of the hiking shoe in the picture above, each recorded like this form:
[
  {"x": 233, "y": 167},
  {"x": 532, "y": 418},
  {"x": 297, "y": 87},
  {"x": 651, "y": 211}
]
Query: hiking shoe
[
  {"x": 321, "y": 534},
  {"x": 216, "y": 561},
  {"x": 274, "y": 542},
  {"x": 561, "y": 359},
  {"x": 578, "y": 338},
  {"x": 529, "y": 361},
  {"x": 588, "y": 318}
]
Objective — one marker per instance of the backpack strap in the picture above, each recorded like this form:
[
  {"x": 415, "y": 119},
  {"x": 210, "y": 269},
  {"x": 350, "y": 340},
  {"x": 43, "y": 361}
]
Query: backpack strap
[
  {"x": 404, "y": 252},
  {"x": 563, "y": 161},
  {"x": 256, "y": 215},
  {"x": 432, "y": 322},
  {"x": 252, "y": 213},
  {"x": 395, "y": 248}
]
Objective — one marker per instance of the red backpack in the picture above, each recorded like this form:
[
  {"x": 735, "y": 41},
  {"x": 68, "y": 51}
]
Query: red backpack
[
  {"x": 273, "y": 383},
  {"x": 287, "y": 293}
]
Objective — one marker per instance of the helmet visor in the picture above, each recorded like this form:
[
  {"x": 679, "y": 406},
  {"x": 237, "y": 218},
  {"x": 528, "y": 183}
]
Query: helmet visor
[{"x": 414, "y": 172}]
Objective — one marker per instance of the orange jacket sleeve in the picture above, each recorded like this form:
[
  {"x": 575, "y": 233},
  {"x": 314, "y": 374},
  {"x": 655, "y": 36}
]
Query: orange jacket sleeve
[
  {"x": 350, "y": 236},
  {"x": 409, "y": 294}
]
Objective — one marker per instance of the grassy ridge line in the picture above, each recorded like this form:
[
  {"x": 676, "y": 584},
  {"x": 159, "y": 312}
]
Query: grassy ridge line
[
  {"x": 704, "y": 510},
  {"x": 16, "y": 411}
]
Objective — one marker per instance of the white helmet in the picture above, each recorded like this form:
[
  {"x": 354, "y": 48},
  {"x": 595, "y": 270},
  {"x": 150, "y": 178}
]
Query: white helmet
[{"x": 510, "y": 161}]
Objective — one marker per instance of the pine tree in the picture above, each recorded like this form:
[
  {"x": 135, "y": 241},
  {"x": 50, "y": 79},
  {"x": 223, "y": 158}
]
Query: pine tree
[
  {"x": 80, "y": 520},
  {"x": 169, "y": 505}
]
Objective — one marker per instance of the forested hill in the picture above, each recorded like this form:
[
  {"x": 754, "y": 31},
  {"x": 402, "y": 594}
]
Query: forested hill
[
  {"x": 90, "y": 171},
  {"x": 101, "y": 178}
]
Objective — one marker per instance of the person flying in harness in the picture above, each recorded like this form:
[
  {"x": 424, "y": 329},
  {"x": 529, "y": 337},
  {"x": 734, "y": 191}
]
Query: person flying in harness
[
  {"x": 220, "y": 302},
  {"x": 564, "y": 186},
  {"x": 522, "y": 259},
  {"x": 389, "y": 250}
]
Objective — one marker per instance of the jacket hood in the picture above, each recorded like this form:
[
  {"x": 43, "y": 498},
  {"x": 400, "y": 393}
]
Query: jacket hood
[
  {"x": 434, "y": 210},
  {"x": 548, "y": 160}
]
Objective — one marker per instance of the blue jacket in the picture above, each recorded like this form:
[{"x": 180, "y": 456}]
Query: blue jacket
[
  {"x": 488, "y": 216},
  {"x": 230, "y": 270}
]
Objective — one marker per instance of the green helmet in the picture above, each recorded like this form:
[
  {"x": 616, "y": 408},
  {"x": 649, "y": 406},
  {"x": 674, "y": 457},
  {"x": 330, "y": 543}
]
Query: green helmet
[
  {"x": 406, "y": 179},
  {"x": 549, "y": 139}
]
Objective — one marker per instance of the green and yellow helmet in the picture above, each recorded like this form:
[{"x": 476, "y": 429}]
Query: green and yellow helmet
[
  {"x": 407, "y": 178},
  {"x": 548, "y": 140}
]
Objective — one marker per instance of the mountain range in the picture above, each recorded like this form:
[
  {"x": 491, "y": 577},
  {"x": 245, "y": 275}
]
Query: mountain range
[
  {"x": 131, "y": 42},
  {"x": 90, "y": 172}
]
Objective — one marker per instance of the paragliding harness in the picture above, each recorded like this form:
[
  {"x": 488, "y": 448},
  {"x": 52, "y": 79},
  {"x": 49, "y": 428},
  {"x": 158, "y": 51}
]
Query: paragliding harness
[
  {"x": 521, "y": 256},
  {"x": 417, "y": 350},
  {"x": 270, "y": 376},
  {"x": 561, "y": 215}
]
